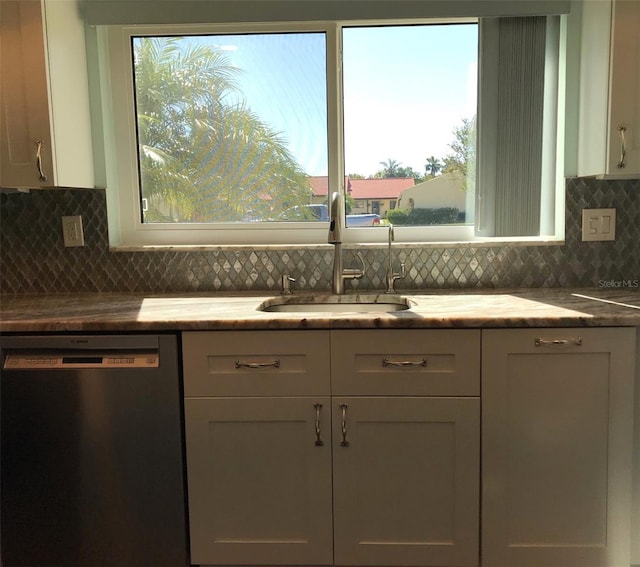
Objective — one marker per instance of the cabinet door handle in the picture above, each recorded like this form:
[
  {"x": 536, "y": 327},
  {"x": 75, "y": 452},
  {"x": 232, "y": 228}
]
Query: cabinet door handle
[
  {"x": 272, "y": 364},
  {"x": 576, "y": 341},
  {"x": 344, "y": 442},
  {"x": 42, "y": 176},
  {"x": 404, "y": 363},
  {"x": 623, "y": 147},
  {"x": 319, "y": 441}
]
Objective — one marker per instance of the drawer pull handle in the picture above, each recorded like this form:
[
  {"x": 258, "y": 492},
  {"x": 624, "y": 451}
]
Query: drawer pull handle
[
  {"x": 42, "y": 176},
  {"x": 623, "y": 147},
  {"x": 577, "y": 341},
  {"x": 404, "y": 363},
  {"x": 319, "y": 441},
  {"x": 273, "y": 364},
  {"x": 344, "y": 442}
]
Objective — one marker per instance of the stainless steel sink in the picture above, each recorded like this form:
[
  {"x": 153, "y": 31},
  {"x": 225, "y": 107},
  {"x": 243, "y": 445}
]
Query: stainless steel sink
[{"x": 361, "y": 303}]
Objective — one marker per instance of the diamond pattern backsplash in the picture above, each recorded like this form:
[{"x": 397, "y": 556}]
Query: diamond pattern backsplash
[{"x": 33, "y": 258}]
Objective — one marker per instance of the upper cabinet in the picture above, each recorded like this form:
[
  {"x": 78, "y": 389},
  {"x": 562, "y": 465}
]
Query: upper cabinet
[
  {"x": 45, "y": 133},
  {"x": 609, "y": 120}
]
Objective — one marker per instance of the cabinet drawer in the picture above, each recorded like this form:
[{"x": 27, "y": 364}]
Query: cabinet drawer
[
  {"x": 256, "y": 363},
  {"x": 406, "y": 362}
]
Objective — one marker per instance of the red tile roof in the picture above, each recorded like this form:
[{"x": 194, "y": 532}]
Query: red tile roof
[
  {"x": 320, "y": 185},
  {"x": 386, "y": 188}
]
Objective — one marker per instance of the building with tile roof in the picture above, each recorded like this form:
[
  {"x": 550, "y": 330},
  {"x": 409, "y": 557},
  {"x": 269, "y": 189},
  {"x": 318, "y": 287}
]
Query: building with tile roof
[{"x": 369, "y": 195}]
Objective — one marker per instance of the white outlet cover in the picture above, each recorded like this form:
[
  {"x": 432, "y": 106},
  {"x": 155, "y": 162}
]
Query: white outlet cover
[
  {"x": 72, "y": 231},
  {"x": 598, "y": 225}
]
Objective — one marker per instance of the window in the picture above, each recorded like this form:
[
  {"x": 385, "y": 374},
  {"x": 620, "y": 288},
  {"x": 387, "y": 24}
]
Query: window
[
  {"x": 238, "y": 133},
  {"x": 410, "y": 94},
  {"x": 231, "y": 128}
]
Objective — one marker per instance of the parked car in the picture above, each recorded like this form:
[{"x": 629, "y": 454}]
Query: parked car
[{"x": 320, "y": 212}]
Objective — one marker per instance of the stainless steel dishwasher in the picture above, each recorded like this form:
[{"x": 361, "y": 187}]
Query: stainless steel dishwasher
[{"x": 92, "y": 460}]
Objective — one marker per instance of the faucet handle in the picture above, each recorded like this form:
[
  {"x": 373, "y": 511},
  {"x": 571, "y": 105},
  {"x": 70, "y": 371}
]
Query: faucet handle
[
  {"x": 393, "y": 276},
  {"x": 285, "y": 281},
  {"x": 355, "y": 273}
]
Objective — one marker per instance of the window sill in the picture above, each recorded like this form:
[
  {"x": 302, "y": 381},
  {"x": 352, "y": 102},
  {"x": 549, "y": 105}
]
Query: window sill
[{"x": 484, "y": 243}]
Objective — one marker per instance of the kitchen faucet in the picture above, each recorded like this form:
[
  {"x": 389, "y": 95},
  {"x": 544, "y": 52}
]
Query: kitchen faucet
[
  {"x": 391, "y": 275},
  {"x": 336, "y": 225}
]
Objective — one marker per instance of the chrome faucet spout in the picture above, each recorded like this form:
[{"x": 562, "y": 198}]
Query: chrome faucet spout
[
  {"x": 336, "y": 219},
  {"x": 336, "y": 224},
  {"x": 337, "y": 281},
  {"x": 335, "y": 238}
]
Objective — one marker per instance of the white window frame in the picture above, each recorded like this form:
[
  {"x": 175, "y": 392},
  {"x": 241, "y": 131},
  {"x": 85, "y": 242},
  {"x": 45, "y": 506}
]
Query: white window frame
[{"x": 125, "y": 225}]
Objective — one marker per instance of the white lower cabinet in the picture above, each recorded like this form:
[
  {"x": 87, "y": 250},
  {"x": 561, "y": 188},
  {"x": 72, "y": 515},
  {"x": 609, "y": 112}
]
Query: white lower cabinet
[
  {"x": 362, "y": 447},
  {"x": 259, "y": 483},
  {"x": 258, "y": 440},
  {"x": 557, "y": 421},
  {"x": 389, "y": 479},
  {"x": 406, "y": 447},
  {"x": 405, "y": 481}
]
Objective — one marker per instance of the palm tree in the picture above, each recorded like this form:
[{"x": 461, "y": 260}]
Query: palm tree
[
  {"x": 391, "y": 168},
  {"x": 433, "y": 166},
  {"x": 203, "y": 158}
]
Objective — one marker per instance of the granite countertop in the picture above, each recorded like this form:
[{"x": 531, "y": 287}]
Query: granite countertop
[{"x": 220, "y": 311}]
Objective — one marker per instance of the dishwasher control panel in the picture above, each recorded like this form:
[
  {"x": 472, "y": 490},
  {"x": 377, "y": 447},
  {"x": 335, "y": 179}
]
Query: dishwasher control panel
[{"x": 28, "y": 361}]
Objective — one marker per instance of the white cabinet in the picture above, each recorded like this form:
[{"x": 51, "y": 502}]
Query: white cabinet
[
  {"x": 259, "y": 483},
  {"x": 609, "y": 118},
  {"x": 390, "y": 479},
  {"x": 45, "y": 134},
  {"x": 257, "y": 364},
  {"x": 406, "y": 487},
  {"x": 420, "y": 362},
  {"x": 258, "y": 468},
  {"x": 557, "y": 419},
  {"x": 406, "y": 437}
]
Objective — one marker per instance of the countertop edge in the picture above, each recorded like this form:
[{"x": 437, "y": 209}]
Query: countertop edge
[{"x": 450, "y": 309}]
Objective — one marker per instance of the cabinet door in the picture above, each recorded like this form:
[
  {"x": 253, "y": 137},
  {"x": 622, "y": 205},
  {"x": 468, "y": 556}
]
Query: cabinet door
[
  {"x": 609, "y": 88},
  {"x": 406, "y": 486},
  {"x": 625, "y": 89},
  {"x": 24, "y": 102},
  {"x": 259, "y": 483},
  {"x": 556, "y": 447}
]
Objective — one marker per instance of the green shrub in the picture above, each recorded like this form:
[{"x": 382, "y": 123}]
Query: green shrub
[{"x": 442, "y": 215}]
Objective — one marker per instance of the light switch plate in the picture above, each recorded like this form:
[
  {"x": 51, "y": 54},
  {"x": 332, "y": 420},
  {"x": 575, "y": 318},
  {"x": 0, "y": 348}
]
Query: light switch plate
[
  {"x": 72, "y": 231},
  {"x": 598, "y": 224}
]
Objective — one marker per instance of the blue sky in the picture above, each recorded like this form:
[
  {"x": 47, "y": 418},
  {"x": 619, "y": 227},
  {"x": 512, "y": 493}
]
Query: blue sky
[
  {"x": 283, "y": 81},
  {"x": 406, "y": 88}
]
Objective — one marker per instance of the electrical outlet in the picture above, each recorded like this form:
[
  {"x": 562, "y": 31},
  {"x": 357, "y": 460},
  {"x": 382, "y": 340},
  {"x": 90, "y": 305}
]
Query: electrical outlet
[
  {"x": 72, "y": 231},
  {"x": 598, "y": 224}
]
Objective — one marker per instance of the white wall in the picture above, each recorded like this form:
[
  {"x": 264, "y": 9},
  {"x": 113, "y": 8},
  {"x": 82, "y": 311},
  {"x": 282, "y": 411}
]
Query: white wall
[{"x": 442, "y": 191}]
